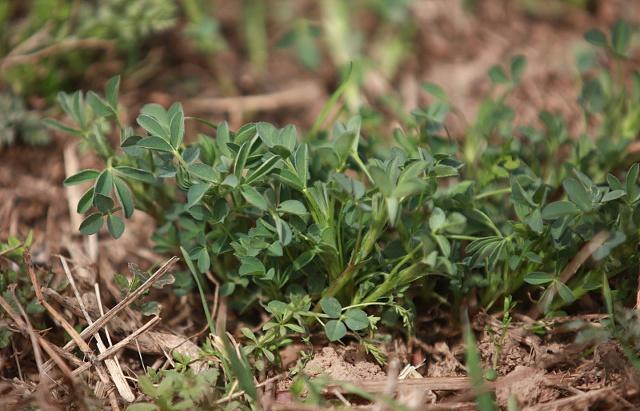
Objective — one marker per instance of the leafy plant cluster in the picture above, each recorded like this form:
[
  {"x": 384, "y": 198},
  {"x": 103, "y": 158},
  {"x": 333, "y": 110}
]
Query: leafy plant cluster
[
  {"x": 337, "y": 230},
  {"x": 52, "y": 32},
  {"x": 15, "y": 286},
  {"x": 271, "y": 216},
  {"x": 19, "y": 124}
]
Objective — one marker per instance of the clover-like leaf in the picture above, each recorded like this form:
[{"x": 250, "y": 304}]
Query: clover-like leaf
[
  {"x": 91, "y": 224},
  {"x": 356, "y": 319},
  {"x": 335, "y": 330},
  {"x": 81, "y": 177},
  {"x": 331, "y": 306}
]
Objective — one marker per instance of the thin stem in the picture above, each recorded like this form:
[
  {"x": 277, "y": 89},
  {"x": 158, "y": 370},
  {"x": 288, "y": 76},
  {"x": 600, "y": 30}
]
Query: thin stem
[
  {"x": 462, "y": 237},
  {"x": 362, "y": 166},
  {"x": 493, "y": 193}
]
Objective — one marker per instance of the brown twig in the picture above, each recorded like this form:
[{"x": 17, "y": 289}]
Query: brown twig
[
  {"x": 119, "y": 345},
  {"x": 75, "y": 337},
  {"x": 113, "y": 367},
  {"x": 71, "y": 43},
  {"x": 97, "y": 325},
  {"x": 569, "y": 271}
]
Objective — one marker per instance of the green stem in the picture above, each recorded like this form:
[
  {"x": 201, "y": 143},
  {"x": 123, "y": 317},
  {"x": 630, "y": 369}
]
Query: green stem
[
  {"x": 493, "y": 193},
  {"x": 462, "y": 237}
]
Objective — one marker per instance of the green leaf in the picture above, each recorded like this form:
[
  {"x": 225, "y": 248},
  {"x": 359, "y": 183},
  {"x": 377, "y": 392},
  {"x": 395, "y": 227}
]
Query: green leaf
[
  {"x": 559, "y": 209},
  {"x": 155, "y": 143},
  {"x": 484, "y": 401},
  {"x": 104, "y": 183},
  {"x": 153, "y": 127},
  {"x": 443, "y": 244},
  {"x": 534, "y": 221},
  {"x": 204, "y": 261},
  {"x": 302, "y": 163},
  {"x": 437, "y": 219},
  {"x": 614, "y": 183},
  {"x": 176, "y": 126},
  {"x": 136, "y": 174},
  {"x": 381, "y": 180},
  {"x": 91, "y": 224},
  {"x": 231, "y": 180},
  {"x": 565, "y": 292},
  {"x": 124, "y": 196},
  {"x": 538, "y": 278},
  {"x": 292, "y": 207},
  {"x": 613, "y": 195},
  {"x": 111, "y": 91},
  {"x": 596, "y": 37},
  {"x": 577, "y": 194},
  {"x": 85, "y": 202},
  {"x": 251, "y": 266},
  {"x": 81, "y": 177},
  {"x": 303, "y": 259},
  {"x": 254, "y": 198},
  {"x": 435, "y": 90},
  {"x": 196, "y": 192},
  {"x": 220, "y": 209},
  {"x": 98, "y": 105},
  {"x": 203, "y": 171},
  {"x": 497, "y": 75},
  {"x": 203, "y": 299},
  {"x": 115, "y": 225},
  {"x": 335, "y": 330},
  {"x": 52, "y": 123},
  {"x": 291, "y": 179},
  {"x": 146, "y": 386},
  {"x": 130, "y": 146},
  {"x": 356, "y": 319},
  {"x": 620, "y": 38},
  {"x": 240, "y": 369},
  {"x": 241, "y": 158},
  {"x": 103, "y": 203},
  {"x": 331, "y": 306},
  {"x": 518, "y": 64},
  {"x": 264, "y": 169}
]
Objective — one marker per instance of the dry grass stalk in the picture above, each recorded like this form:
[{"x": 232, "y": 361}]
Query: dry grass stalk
[
  {"x": 75, "y": 337},
  {"x": 114, "y": 349},
  {"x": 100, "y": 322},
  {"x": 112, "y": 364}
]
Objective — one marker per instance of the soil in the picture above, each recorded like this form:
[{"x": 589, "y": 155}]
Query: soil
[
  {"x": 455, "y": 50},
  {"x": 343, "y": 364}
]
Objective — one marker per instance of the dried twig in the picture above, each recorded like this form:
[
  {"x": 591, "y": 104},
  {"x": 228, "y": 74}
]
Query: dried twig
[
  {"x": 578, "y": 260},
  {"x": 118, "y": 346},
  {"x": 75, "y": 337},
  {"x": 71, "y": 43},
  {"x": 100, "y": 322},
  {"x": 71, "y": 167},
  {"x": 295, "y": 95},
  {"x": 111, "y": 363},
  {"x": 581, "y": 401}
]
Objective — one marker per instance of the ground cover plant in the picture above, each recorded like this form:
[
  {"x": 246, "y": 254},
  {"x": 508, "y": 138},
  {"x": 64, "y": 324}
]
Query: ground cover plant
[
  {"x": 329, "y": 230},
  {"x": 347, "y": 242}
]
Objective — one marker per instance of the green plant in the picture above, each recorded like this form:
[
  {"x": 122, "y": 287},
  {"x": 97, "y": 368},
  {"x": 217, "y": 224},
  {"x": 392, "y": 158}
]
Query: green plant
[
  {"x": 332, "y": 229},
  {"x": 257, "y": 206},
  {"x": 65, "y": 36},
  {"x": 15, "y": 285},
  {"x": 171, "y": 390},
  {"x": 18, "y": 123}
]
